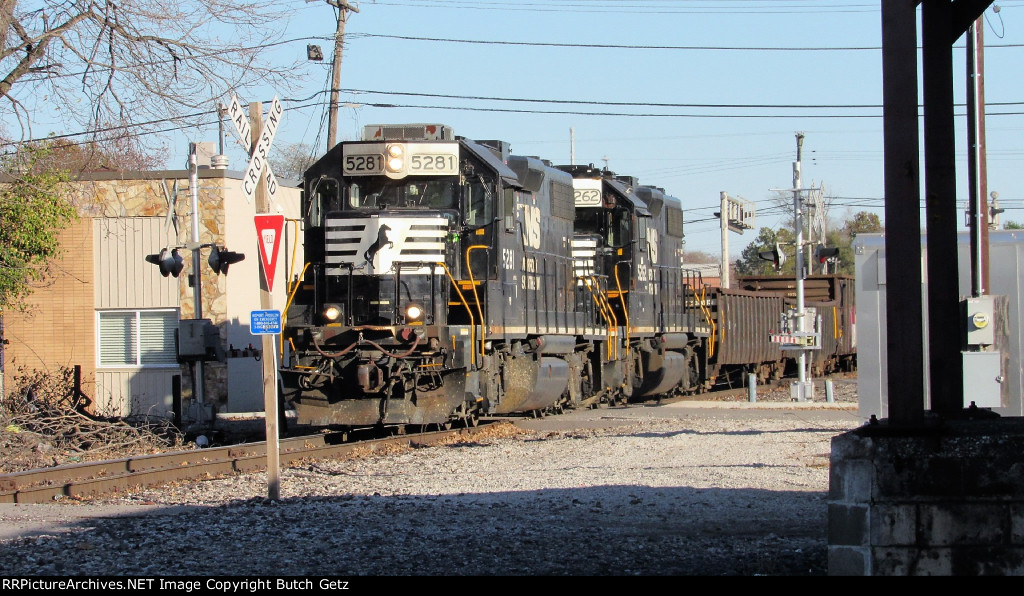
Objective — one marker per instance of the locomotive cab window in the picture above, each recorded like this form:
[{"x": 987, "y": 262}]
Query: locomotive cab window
[
  {"x": 478, "y": 203},
  {"x": 385, "y": 193},
  {"x": 618, "y": 228},
  {"x": 323, "y": 197}
]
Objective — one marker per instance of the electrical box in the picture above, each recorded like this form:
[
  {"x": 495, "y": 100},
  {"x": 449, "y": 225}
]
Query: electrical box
[
  {"x": 980, "y": 320},
  {"x": 198, "y": 339},
  {"x": 984, "y": 380},
  {"x": 986, "y": 359}
]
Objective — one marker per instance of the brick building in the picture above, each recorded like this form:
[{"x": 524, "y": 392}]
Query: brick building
[{"x": 112, "y": 313}]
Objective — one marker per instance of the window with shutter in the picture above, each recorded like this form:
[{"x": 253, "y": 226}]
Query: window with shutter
[{"x": 137, "y": 338}]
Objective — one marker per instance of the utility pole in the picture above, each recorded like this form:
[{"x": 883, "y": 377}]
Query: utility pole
[
  {"x": 339, "y": 42},
  {"x": 572, "y": 146},
  {"x": 803, "y": 390},
  {"x": 724, "y": 217},
  {"x": 976, "y": 174}
]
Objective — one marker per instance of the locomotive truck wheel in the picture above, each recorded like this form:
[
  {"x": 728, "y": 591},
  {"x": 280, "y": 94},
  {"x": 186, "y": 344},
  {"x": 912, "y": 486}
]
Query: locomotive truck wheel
[{"x": 468, "y": 416}]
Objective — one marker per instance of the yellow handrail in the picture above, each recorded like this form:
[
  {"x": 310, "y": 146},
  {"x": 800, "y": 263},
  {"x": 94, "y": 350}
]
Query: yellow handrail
[
  {"x": 291, "y": 297},
  {"x": 295, "y": 249},
  {"x": 472, "y": 323},
  {"x": 469, "y": 268},
  {"x": 625, "y": 308},
  {"x": 707, "y": 317},
  {"x": 606, "y": 313}
]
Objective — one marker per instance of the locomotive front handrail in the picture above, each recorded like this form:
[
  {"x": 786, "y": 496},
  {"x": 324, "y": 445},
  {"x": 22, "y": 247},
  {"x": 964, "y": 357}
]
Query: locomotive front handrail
[
  {"x": 606, "y": 313},
  {"x": 469, "y": 311},
  {"x": 291, "y": 297},
  {"x": 476, "y": 296},
  {"x": 625, "y": 308}
]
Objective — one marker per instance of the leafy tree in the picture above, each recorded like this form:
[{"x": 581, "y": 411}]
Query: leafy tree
[
  {"x": 750, "y": 262},
  {"x": 33, "y": 211},
  {"x": 862, "y": 222},
  {"x": 1013, "y": 225}
]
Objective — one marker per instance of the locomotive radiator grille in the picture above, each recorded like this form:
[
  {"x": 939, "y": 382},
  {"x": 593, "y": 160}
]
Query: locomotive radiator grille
[{"x": 373, "y": 245}]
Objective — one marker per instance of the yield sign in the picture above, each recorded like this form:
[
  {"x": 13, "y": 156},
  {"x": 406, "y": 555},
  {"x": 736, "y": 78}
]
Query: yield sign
[{"x": 269, "y": 230}]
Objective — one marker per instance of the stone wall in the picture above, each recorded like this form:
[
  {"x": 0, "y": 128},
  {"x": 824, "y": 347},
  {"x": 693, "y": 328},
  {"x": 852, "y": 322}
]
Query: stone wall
[{"x": 945, "y": 499}]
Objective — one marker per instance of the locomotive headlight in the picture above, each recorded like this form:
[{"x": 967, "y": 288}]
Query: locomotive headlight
[
  {"x": 331, "y": 313},
  {"x": 396, "y": 155},
  {"x": 413, "y": 312}
]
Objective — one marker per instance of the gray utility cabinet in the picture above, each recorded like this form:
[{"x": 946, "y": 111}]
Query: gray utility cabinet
[{"x": 993, "y": 376}]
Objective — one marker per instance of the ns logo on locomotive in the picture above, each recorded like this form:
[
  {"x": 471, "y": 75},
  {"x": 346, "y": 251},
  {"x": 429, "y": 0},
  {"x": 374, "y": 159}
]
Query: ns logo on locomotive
[{"x": 448, "y": 279}]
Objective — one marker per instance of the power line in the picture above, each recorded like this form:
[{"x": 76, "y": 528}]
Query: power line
[{"x": 611, "y": 46}]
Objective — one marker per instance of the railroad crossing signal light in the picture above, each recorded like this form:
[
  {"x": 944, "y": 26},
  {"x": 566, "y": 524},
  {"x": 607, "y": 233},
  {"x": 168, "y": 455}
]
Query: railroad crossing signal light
[
  {"x": 825, "y": 253},
  {"x": 169, "y": 262},
  {"x": 220, "y": 259},
  {"x": 775, "y": 255}
]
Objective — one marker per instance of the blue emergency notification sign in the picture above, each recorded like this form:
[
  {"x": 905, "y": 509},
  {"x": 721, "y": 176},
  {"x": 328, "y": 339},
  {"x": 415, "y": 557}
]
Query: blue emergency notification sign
[{"x": 265, "y": 322}]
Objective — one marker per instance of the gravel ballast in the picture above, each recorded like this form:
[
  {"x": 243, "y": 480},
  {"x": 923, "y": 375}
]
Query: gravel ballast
[{"x": 673, "y": 489}]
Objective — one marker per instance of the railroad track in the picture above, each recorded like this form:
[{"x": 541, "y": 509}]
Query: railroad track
[{"x": 93, "y": 479}]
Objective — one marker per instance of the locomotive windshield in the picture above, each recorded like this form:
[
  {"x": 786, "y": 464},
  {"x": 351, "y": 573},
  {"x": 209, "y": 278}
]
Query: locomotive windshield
[{"x": 378, "y": 192}]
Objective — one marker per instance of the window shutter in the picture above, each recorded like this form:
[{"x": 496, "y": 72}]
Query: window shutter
[
  {"x": 117, "y": 345},
  {"x": 156, "y": 337}
]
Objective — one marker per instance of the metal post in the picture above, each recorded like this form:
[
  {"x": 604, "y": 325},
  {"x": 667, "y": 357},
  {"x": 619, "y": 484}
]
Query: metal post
[
  {"x": 973, "y": 186},
  {"x": 751, "y": 387},
  {"x": 900, "y": 132},
  {"x": 725, "y": 238},
  {"x": 803, "y": 390},
  {"x": 195, "y": 276},
  {"x": 829, "y": 391},
  {"x": 572, "y": 145}
]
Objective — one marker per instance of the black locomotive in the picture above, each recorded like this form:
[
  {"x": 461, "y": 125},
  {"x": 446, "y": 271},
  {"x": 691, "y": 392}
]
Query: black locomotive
[{"x": 447, "y": 279}]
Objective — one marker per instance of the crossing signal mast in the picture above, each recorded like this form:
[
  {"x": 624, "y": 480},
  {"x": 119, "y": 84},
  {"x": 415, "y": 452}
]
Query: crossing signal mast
[{"x": 799, "y": 326}]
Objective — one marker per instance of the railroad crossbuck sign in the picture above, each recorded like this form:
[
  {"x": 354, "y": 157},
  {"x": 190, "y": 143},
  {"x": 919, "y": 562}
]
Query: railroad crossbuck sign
[
  {"x": 258, "y": 152},
  {"x": 269, "y": 229}
]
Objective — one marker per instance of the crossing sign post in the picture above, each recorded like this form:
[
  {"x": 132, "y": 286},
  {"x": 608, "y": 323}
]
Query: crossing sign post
[{"x": 258, "y": 165}]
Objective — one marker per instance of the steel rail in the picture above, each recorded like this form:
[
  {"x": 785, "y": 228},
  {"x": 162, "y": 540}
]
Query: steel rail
[{"x": 92, "y": 479}]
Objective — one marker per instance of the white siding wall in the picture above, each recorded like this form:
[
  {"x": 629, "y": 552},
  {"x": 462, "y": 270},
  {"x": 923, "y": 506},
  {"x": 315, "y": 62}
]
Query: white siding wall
[
  {"x": 124, "y": 280},
  {"x": 242, "y": 283}
]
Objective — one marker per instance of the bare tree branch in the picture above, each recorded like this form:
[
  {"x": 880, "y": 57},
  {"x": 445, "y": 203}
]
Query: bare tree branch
[{"x": 99, "y": 62}]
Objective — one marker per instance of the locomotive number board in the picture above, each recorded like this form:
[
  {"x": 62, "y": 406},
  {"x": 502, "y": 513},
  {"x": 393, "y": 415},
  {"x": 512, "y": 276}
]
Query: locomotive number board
[
  {"x": 419, "y": 159},
  {"x": 587, "y": 193}
]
